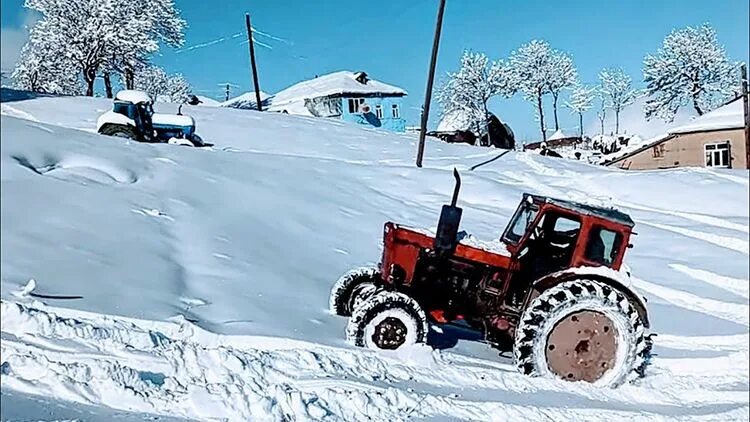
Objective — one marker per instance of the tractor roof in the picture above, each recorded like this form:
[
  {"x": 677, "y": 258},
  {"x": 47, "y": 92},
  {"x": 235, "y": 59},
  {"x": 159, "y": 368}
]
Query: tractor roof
[
  {"x": 133, "y": 96},
  {"x": 611, "y": 214}
]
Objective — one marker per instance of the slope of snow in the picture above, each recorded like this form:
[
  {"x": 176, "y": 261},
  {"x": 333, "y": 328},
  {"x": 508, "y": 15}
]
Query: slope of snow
[
  {"x": 247, "y": 101},
  {"x": 342, "y": 82},
  {"x": 193, "y": 283},
  {"x": 208, "y": 102}
]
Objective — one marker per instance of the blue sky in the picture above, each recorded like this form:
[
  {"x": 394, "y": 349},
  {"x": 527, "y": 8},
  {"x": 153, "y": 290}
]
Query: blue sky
[{"x": 391, "y": 39}]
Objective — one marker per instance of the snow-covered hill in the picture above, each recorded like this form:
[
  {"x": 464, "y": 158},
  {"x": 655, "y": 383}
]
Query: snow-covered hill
[{"x": 197, "y": 279}]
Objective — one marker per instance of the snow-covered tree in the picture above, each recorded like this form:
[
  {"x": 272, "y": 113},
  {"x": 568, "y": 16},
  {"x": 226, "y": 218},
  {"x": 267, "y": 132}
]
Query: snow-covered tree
[
  {"x": 42, "y": 69},
  {"x": 532, "y": 67},
  {"x": 104, "y": 36},
  {"x": 617, "y": 91},
  {"x": 162, "y": 87},
  {"x": 581, "y": 100},
  {"x": 563, "y": 76},
  {"x": 470, "y": 89},
  {"x": 690, "y": 69}
]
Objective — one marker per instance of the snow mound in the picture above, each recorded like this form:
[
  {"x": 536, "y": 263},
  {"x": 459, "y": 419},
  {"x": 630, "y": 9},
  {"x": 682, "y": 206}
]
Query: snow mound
[{"x": 248, "y": 101}]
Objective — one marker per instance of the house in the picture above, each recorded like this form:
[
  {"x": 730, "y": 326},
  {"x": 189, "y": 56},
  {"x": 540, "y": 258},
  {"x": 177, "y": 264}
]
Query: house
[
  {"x": 345, "y": 95},
  {"x": 458, "y": 126},
  {"x": 716, "y": 139},
  {"x": 557, "y": 140},
  {"x": 455, "y": 127}
]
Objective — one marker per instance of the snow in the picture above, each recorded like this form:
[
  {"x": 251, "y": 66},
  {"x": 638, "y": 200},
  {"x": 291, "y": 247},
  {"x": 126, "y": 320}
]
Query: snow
[
  {"x": 204, "y": 274},
  {"x": 729, "y": 116},
  {"x": 133, "y": 96},
  {"x": 246, "y": 101},
  {"x": 559, "y": 134},
  {"x": 454, "y": 121},
  {"x": 107, "y": 117},
  {"x": 337, "y": 83},
  {"x": 208, "y": 102},
  {"x": 172, "y": 120}
]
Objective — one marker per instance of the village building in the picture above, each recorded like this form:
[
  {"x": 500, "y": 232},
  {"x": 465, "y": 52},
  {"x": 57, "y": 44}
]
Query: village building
[
  {"x": 345, "y": 95},
  {"x": 716, "y": 139},
  {"x": 557, "y": 140}
]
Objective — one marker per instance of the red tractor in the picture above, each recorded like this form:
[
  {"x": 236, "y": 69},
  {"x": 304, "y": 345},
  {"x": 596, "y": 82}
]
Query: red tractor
[{"x": 551, "y": 290}]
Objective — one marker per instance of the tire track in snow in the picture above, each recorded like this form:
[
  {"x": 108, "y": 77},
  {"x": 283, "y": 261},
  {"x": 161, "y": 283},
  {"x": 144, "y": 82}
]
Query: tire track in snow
[
  {"x": 735, "y": 285},
  {"x": 182, "y": 377},
  {"x": 698, "y": 218},
  {"x": 733, "y": 343},
  {"x": 733, "y": 243},
  {"x": 733, "y": 312}
]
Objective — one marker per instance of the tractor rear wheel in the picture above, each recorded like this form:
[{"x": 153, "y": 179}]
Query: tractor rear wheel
[
  {"x": 352, "y": 287},
  {"x": 581, "y": 330},
  {"x": 387, "y": 321},
  {"x": 120, "y": 131}
]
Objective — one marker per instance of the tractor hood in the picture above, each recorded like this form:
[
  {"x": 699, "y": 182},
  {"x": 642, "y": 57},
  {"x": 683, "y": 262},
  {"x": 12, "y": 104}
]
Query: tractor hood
[{"x": 172, "y": 120}]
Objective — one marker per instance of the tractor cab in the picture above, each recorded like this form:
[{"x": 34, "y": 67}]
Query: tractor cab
[{"x": 547, "y": 235}]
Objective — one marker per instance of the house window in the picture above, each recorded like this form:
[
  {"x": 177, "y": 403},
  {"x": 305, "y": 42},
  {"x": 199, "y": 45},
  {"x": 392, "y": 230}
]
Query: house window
[
  {"x": 717, "y": 155},
  {"x": 354, "y": 104},
  {"x": 658, "y": 151},
  {"x": 379, "y": 111},
  {"x": 395, "y": 112}
]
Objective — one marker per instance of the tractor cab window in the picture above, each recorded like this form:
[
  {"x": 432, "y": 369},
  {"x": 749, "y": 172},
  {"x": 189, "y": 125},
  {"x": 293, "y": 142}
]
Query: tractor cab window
[
  {"x": 121, "y": 108},
  {"x": 520, "y": 223},
  {"x": 603, "y": 245}
]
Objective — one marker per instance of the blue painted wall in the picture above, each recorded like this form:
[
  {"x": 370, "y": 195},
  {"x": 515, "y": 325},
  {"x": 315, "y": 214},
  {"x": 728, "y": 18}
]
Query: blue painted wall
[{"x": 388, "y": 122}]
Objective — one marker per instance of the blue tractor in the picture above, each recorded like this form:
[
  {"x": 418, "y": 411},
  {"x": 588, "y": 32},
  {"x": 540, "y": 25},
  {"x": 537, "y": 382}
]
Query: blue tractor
[{"x": 133, "y": 117}]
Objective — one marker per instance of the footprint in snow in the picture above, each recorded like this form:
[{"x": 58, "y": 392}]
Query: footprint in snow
[
  {"x": 222, "y": 256},
  {"x": 152, "y": 213}
]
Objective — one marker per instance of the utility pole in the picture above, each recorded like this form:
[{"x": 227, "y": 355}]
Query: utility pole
[
  {"x": 430, "y": 80},
  {"x": 252, "y": 60},
  {"x": 746, "y": 113}
]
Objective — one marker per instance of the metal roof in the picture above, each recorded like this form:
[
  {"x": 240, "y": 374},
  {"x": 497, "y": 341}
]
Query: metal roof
[{"x": 587, "y": 209}]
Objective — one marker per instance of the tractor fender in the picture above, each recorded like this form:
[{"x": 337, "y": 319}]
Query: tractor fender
[
  {"x": 111, "y": 117},
  {"x": 619, "y": 280}
]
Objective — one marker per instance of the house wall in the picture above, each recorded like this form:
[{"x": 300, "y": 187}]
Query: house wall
[
  {"x": 687, "y": 150},
  {"x": 388, "y": 122}
]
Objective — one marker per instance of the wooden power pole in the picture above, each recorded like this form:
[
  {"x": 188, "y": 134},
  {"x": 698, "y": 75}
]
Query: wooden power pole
[
  {"x": 746, "y": 113},
  {"x": 252, "y": 60},
  {"x": 430, "y": 80}
]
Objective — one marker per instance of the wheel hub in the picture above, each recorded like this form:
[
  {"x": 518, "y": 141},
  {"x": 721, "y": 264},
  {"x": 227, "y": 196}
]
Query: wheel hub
[
  {"x": 582, "y": 346},
  {"x": 389, "y": 333}
]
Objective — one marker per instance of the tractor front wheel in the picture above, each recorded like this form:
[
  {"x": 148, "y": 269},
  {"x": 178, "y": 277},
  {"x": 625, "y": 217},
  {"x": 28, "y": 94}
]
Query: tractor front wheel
[
  {"x": 387, "y": 321},
  {"x": 581, "y": 330},
  {"x": 351, "y": 288}
]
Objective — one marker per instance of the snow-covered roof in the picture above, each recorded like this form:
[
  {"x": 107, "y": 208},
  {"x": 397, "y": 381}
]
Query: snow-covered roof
[
  {"x": 133, "y": 96},
  {"x": 247, "y": 100},
  {"x": 559, "y": 134},
  {"x": 337, "y": 83},
  {"x": 729, "y": 116},
  {"x": 453, "y": 121}
]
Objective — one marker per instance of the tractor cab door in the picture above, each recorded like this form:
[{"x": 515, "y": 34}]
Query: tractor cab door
[
  {"x": 551, "y": 244},
  {"x": 143, "y": 113}
]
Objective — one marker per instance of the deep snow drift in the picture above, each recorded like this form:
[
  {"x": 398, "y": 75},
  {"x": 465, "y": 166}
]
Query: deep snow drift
[{"x": 203, "y": 274}]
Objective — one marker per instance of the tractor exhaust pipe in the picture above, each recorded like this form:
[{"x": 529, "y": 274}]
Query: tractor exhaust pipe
[
  {"x": 446, "y": 238},
  {"x": 457, "y": 188}
]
